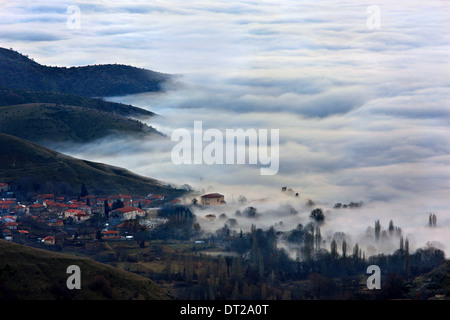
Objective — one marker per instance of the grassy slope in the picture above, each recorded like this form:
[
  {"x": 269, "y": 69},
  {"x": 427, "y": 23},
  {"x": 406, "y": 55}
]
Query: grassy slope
[
  {"x": 22, "y": 160},
  {"x": 41, "y": 122},
  {"x": 30, "y": 273}
]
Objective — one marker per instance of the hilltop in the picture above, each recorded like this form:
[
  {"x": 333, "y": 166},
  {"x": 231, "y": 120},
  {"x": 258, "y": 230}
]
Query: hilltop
[
  {"x": 21, "y": 72},
  {"x": 28, "y": 273},
  {"x": 29, "y": 167},
  {"x": 46, "y": 122}
]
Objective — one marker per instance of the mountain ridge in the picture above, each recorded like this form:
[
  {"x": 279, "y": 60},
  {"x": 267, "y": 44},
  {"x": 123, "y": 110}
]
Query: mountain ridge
[{"x": 22, "y": 73}]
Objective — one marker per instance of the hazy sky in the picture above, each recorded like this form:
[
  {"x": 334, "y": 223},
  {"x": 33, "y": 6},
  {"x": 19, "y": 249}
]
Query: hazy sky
[{"x": 358, "y": 89}]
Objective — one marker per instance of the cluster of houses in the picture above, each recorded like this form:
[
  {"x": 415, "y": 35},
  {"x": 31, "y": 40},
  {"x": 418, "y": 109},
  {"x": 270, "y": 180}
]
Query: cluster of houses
[{"x": 54, "y": 211}]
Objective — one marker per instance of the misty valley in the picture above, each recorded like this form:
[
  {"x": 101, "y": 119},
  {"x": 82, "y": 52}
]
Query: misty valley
[
  {"x": 196, "y": 251},
  {"x": 195, "y": 220}
]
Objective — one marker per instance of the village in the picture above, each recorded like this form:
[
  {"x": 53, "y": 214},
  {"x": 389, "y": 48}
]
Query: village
[{"x": 51, "y": 220}]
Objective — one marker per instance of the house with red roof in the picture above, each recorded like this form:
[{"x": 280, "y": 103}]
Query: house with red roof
[
  {"x": 81, "y": 216},
  {"x": 5, "y": 209},
  {"x": 50, "y": 240},
  {"x": 56, "y": 207},
  {"x": 36, "y": 208},
  {"x": 128, "y": 213},
  {"x": 71, "y": 213},
  {"x": 4, "y": 187},
  {"x": 11, "y": 225},
  {"x": 6, "y": 206},
  {"x": 42, "y": 197},
  {"x": 110, "y": 235},
  {"x": 19, "y": 209},
  {"x": 212, "y": 199},
  {"x": 6, "y": 219}
]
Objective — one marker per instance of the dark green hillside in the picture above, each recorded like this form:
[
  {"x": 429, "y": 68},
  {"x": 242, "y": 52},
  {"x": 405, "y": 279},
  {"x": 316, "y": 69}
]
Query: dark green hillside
[
  {"x": 434, "y": 285},
  {"x": 30, "y": 167},
  {"x": 13, "y": 97},
  {"x": 28, "y": 273},
  {"x": 43, "y": 123},
  {"x": 20, "y": 72}
]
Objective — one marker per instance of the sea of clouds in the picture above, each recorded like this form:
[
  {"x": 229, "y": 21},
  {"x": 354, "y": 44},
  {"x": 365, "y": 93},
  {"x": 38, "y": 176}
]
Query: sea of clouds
[{"x": 363, "y": 112}]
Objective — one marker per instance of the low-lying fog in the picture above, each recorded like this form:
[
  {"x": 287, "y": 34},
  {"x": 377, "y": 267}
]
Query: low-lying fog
[
  {"x": 359, "y": 94},
  {"x": 396, "y": 167}
]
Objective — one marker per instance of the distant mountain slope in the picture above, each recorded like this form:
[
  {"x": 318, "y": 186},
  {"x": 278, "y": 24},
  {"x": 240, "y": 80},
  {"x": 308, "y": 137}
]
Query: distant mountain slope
[
  {"x": 13, "y": 97},
  {"x": 30, "y": 167},
  {"x": 20, "y": 72},
  {"x": 28, "y": 273},
  {"x": 44, "y": 122}
]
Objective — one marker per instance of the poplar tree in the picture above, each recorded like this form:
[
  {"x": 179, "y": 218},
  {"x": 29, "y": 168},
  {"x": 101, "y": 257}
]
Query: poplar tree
[
  {"x": 356, "y": 252},
  {"x": 333, "y": 249},
  {"x": 344, "y": 249},
  {"x": 377, "y": 230},
  {"x": 407, "y": 262}
]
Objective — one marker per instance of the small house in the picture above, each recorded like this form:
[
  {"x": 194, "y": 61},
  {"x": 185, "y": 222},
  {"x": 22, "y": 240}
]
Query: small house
[{"x": 212, "y": 199}]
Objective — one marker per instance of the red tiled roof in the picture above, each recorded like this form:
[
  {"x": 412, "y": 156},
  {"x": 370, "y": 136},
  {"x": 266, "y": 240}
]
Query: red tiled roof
[
  {"x": 11, "y": 224},
  {"x": 9, "y": 217},
  {"x": 36, "y": 205},
  {"x": 74, "y": 211},
  {"x": 212, "y": 195},
  {"x": 45, "y": 196},
  {"x": 7, "y": 202},
  {"x": 110, "y": 232},
  {"x": 81, "y": 214},
  {"x": 129, "y": 209}
]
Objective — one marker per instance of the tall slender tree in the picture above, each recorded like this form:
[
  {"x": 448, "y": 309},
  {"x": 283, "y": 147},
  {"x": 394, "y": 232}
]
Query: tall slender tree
[
  {"x": 344, "y": 249},
  {"x": 84, "y": 191},
  {"x": 407, "y": 262},
  {"x": 377, "y": 230},
  {"x": 391, "y": 228},
  {"x": 333, "y": 249}
]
